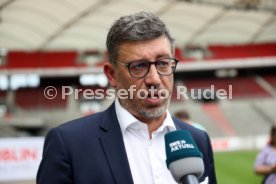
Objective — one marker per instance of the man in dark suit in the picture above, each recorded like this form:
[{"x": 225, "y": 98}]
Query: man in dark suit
[{"x": 125, "y": 143}]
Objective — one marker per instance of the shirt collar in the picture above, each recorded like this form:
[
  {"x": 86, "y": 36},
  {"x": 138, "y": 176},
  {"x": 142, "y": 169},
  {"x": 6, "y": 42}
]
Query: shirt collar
[{"x": 126, "y": 120}]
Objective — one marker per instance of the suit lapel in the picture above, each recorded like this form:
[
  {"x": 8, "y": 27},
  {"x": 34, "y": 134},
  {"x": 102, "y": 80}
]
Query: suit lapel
[
  {"x": 177, "y": 125},
  {"x": 112, "y": 143}
]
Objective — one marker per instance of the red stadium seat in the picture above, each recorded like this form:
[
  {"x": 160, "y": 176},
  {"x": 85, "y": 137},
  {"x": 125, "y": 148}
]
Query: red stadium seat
[
  {"x": 242, "y": 87},
  {"x": 33, "y": 98},
  {"x": 271, "y": 79},
  {"x": 242, "y": 51}
]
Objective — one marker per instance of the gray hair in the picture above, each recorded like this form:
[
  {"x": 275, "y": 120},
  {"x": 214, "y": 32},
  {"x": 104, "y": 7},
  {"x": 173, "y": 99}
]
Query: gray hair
[{"x": 136, "y": 27}]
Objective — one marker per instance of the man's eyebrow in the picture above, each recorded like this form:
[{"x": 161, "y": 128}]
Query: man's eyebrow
[
  {"x": 159, "y": 56},
  {"x": 163, "y": 56}
]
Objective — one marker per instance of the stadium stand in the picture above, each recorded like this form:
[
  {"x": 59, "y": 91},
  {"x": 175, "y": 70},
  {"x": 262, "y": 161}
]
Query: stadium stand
[
  {"x": 270, "y": 78},
  {"x": 266, "y": 109},
  {"x": 199, "y": 116},
  {"x": 37, "y": 59},
  {"x": 241, "y": 51},
  {"x": 242, "y": 87},
  {"x": 33, "y": 98},
  {"x": 91, "y": 91},
  {"x": 214, "y": 112},
  {"x": 174, "y": 97},
  {"x": 244, "y": 118},
  {"x": 226, "y": 118},
  {"x": 2, "y": 94}
]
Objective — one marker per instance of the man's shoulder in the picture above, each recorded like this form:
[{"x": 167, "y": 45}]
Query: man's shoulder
[
  {"x": 89, "y": 120},
  {"x": 80, "y": 126},
  {"x": 201, "y": 137},
  {"x": 186, "y": 126}
]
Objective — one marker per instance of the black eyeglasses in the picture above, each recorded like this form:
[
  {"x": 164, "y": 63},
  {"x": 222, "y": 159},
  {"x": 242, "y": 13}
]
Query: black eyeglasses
[{"x": 139, "y": 69}]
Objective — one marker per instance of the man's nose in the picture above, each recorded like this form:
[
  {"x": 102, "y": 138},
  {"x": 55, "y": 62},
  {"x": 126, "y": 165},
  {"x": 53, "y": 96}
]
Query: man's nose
[{"x": 152, "y": 78}]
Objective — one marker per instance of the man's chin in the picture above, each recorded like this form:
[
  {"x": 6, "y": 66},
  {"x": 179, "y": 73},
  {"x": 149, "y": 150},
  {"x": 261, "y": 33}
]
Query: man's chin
[
  {"x": 153, "y": 112},
  {"x": 146, "y": 110}
]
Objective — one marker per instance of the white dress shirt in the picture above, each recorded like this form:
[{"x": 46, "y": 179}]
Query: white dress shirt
[{"x": 146, "y": 157}]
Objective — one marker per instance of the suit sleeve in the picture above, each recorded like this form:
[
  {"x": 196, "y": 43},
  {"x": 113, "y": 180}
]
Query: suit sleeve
[
  {"x": 212, "y": 174},
  {"x": 55, "y": 167}
]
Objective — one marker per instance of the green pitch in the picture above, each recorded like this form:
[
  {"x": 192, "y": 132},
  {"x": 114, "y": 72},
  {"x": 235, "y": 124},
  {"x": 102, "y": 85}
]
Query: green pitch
[{"x": 236, "y": 167}]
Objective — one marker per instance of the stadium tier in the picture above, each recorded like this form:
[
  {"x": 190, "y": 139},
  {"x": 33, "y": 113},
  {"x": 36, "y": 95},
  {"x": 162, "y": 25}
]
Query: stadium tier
[
  {"x": 46, "y": 59},
  {"x": 242, "y": 51},
  {"x": 33, "y": 98},
  {"x": 2, "y": 94},
  {"x": 221, "y": 117},
  {"x": 270, "y": 78},
  {"x": 60, "y": 59},
  {"x": 242, "y": 87}
]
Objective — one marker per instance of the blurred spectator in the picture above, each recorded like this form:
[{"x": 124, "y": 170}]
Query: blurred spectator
[
  {"x": 265, "y": 163},
  {"x": 185, "y": 117}
]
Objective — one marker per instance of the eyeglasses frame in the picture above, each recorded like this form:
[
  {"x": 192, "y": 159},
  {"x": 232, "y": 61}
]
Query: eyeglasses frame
[{"x": 150, "y": 63}]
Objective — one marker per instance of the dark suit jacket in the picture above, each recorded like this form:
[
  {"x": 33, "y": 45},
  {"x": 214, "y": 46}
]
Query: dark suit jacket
[{"x": 91, "y": 150}]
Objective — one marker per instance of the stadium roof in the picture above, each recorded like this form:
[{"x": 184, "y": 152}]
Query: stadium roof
[{"x": 83, "y": 24}]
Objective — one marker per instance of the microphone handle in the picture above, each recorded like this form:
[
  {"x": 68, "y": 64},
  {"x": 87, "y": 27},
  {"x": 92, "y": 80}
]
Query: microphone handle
[{"x": 189, "y": 179}]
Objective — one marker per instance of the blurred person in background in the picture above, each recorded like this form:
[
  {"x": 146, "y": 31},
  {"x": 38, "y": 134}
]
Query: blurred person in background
[
  {"x": 125, "y": 143},
  {"x": 265, "y": 163},
  {"x": 185, "y": 117}
]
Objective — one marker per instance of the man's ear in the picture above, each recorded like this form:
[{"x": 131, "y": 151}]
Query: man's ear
[{"x": 110, "y": 74}]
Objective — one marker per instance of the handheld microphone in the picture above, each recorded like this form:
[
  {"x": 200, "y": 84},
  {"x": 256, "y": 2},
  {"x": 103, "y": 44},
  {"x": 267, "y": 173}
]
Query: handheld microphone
[{"x": 184, "y": 160}]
